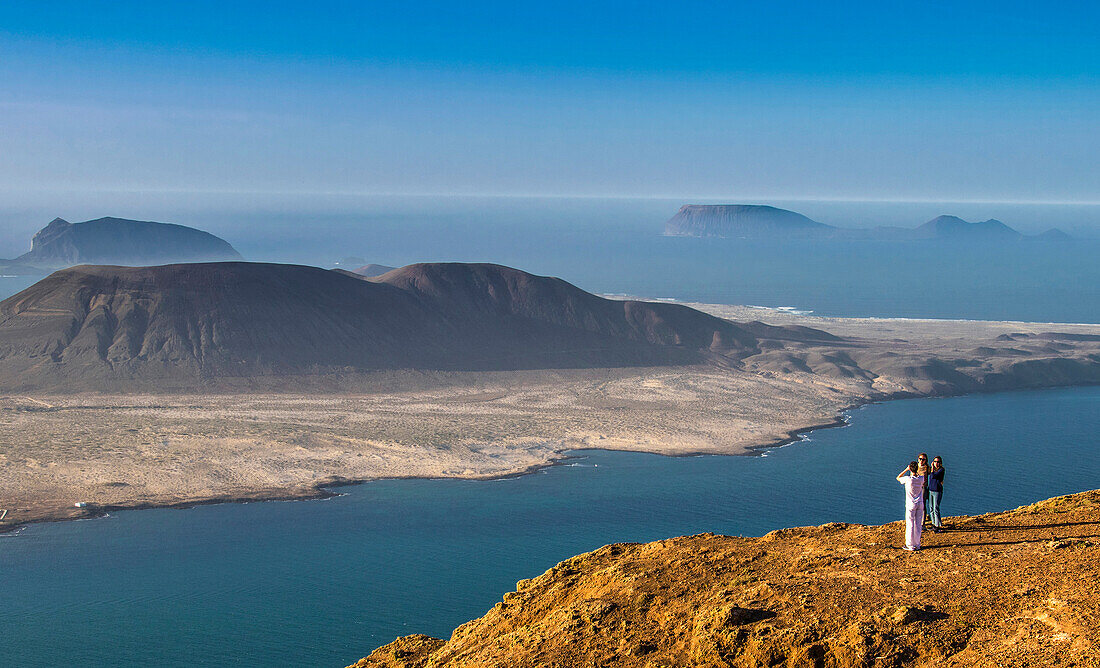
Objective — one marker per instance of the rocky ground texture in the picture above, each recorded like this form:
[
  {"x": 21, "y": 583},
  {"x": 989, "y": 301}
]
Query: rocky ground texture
[{"x": 1017, "y": 588}]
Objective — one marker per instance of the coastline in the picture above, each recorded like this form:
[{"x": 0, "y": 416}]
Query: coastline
[
  {"x": 326, "y": 489},
  {"x": 809, "y": 314},
  {"x": 136, "y": 451}
]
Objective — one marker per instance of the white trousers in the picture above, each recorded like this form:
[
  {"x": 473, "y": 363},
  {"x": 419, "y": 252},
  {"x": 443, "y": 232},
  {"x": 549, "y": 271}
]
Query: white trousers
[{"x": 914, "y": 521}]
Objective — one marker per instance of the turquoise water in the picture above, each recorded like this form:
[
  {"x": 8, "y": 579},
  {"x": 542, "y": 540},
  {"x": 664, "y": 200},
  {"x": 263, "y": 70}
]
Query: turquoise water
[{"x": 323, "y": 582}]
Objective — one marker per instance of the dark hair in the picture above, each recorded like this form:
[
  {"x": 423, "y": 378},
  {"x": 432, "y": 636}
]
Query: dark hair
[
  {"x": 939, "y": 458},
  {"x": 913, "y": 467}
]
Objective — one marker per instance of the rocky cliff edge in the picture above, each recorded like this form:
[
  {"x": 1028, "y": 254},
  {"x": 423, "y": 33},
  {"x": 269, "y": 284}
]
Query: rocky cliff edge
[{"x": 1018, "y": 588}]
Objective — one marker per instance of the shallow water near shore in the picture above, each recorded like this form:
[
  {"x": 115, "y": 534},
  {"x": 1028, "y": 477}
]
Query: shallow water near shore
[{"x": 317, "y": 583}]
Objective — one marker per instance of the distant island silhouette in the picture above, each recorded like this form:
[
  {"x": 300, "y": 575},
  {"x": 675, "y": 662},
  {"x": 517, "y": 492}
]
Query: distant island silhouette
[
  {"x": 117, "y": 241},
  {"x": 753, "y": 221},
  {"x": 741, "y": 220}
]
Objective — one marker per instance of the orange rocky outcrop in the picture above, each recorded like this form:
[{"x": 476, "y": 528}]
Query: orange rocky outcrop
[{"x": 1018, "y": 588}]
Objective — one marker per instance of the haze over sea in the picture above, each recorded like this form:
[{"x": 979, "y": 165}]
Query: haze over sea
[{"x": 615, "y": 246}]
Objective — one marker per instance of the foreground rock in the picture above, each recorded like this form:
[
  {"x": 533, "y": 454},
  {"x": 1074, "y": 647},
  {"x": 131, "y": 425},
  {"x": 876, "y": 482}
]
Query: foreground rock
[{"x": 1018, "y": 588}]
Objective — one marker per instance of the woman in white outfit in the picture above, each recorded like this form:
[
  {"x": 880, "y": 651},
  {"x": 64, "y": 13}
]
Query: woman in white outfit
[{"x": 914, "y": 505}]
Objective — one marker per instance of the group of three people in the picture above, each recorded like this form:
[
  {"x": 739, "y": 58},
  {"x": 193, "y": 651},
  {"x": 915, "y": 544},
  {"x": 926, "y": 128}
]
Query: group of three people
[{"x": 923, "y": 492}]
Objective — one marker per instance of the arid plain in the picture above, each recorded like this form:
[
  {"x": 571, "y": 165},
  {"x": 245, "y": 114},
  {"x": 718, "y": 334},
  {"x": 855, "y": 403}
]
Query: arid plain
[{"x": 141, "y": 450}]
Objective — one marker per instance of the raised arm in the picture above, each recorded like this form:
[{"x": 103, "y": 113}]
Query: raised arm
[{"x": 902, "y": 474}]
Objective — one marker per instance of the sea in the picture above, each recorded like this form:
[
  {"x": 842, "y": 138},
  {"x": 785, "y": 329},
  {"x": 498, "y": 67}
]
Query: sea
[
  {"x": 313, "y": 583},
  {"x": 322, "y": 583},
  {"x": 616, "y": 246}
]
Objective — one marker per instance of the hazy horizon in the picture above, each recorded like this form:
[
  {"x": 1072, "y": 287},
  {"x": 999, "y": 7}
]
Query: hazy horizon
[
  {"x": 617, "y": 246},
  {"x": 248, "y": 220}
]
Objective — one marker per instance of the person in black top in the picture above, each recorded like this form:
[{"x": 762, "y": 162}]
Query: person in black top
[
  {"x": 935, "y": 493},
  {"x": 922, "y": 471}
]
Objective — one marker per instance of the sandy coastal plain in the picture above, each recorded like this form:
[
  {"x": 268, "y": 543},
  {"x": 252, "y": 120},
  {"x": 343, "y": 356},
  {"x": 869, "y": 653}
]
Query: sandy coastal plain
[{"x": 142, "y": 450}]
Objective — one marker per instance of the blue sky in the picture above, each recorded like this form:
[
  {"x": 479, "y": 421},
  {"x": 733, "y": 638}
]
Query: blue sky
[{"x": 939, "y": 101}]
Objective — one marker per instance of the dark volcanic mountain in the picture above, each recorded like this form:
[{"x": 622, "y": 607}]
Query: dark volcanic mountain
[
  {"x": 372, "y": 270},
  {"x": 742, "y": 220},
  {"x": 244, "y": 324},
  {"x": 121, "y": 241}
]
